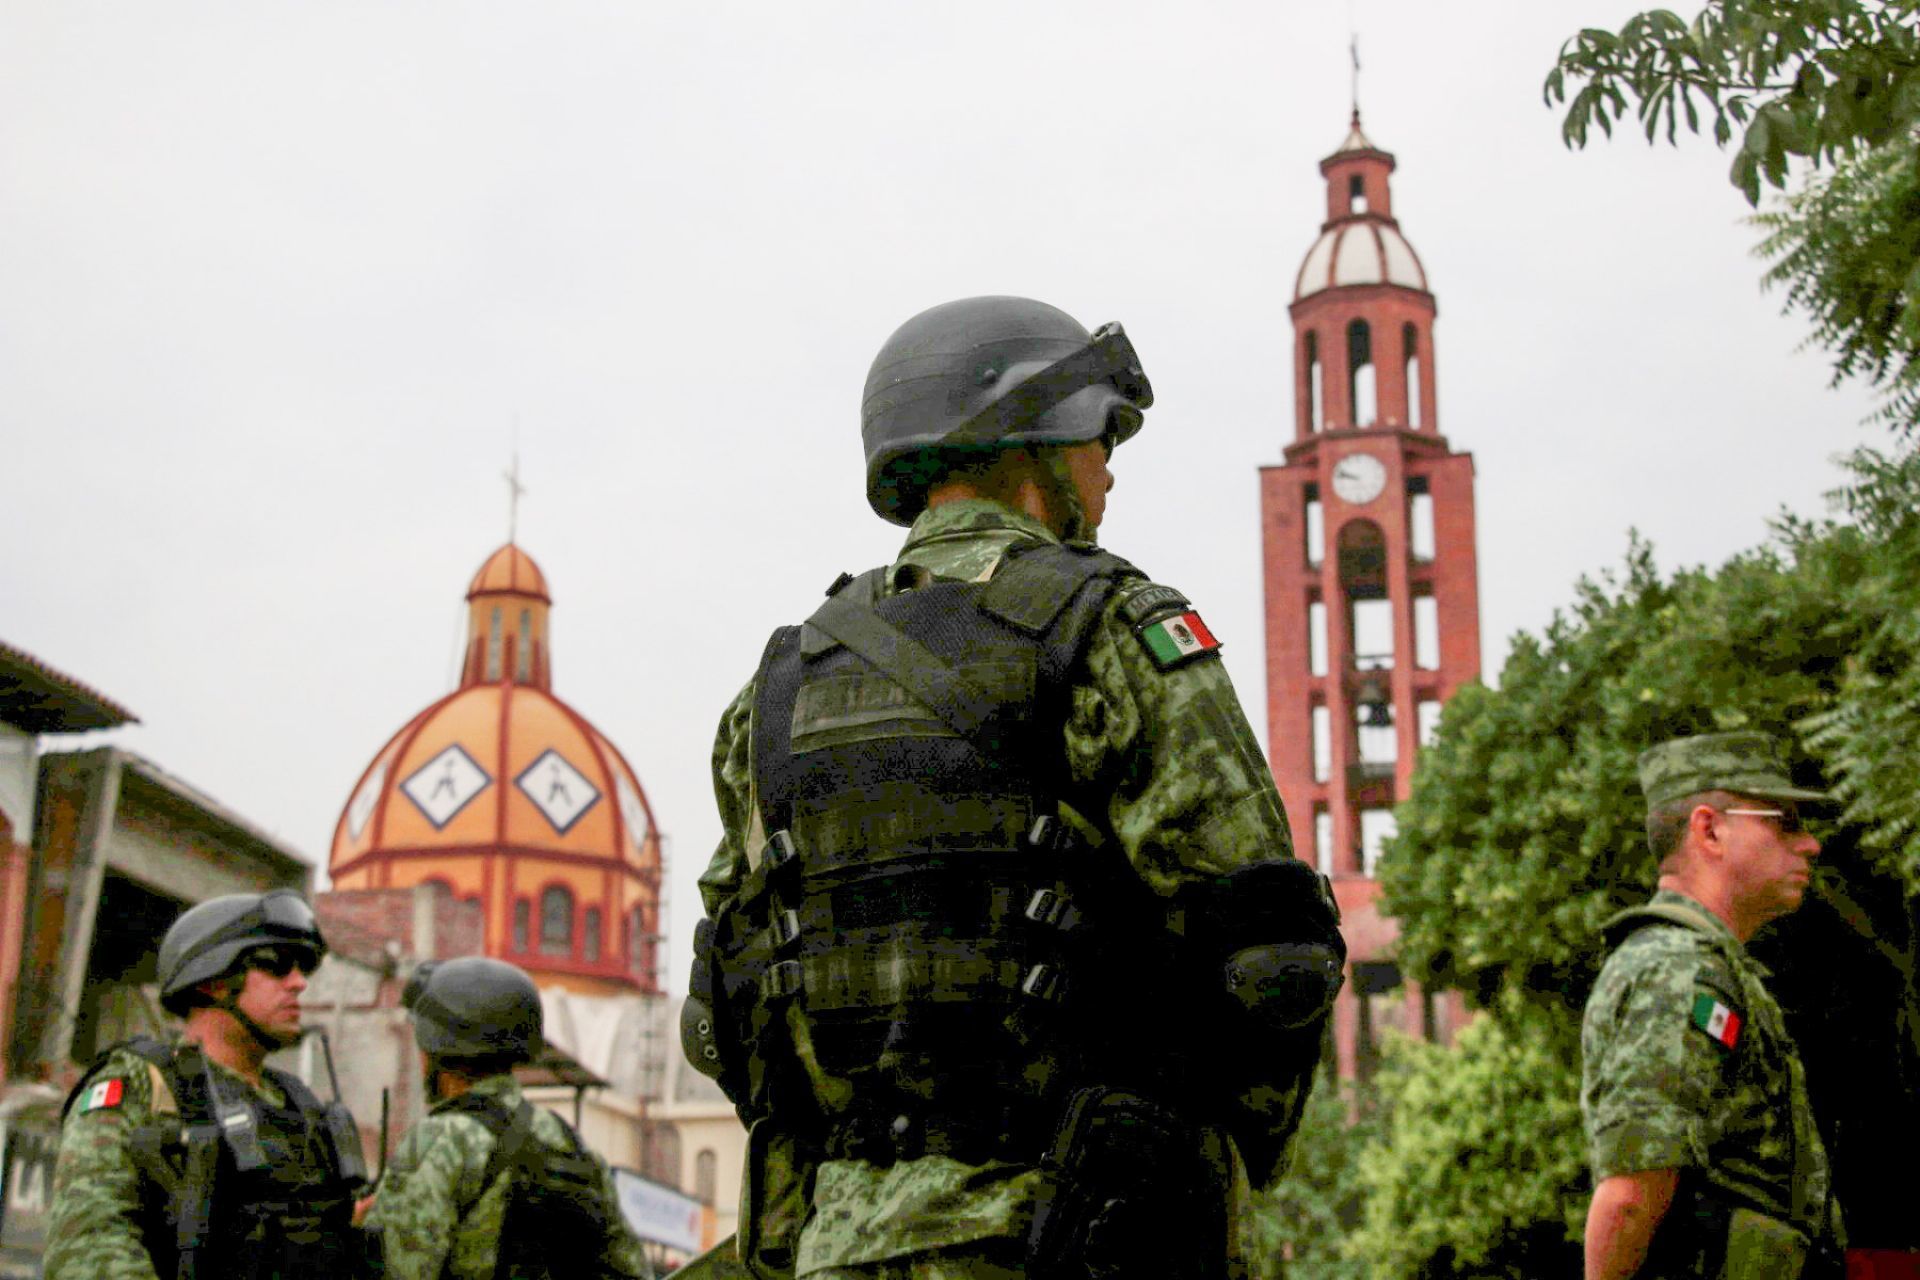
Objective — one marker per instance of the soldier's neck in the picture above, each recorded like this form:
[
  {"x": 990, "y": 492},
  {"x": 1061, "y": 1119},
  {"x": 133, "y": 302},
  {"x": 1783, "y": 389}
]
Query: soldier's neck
[
  {"x": 1715, "y": 898},
  {"x": 224, "y": 1041}
]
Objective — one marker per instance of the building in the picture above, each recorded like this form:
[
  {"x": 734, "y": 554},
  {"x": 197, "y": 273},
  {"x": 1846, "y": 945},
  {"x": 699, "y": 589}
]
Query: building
[
  {"x": 502, "y": 799},
  {"x": 1372, "y": 604}
]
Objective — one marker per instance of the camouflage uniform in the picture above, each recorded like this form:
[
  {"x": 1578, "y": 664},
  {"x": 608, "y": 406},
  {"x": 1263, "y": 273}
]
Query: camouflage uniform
[
  {"x": 436, "y": 1219},
  {"x": 100, "y": 1193},
  {"x": 1687, "y": 1062},
  {"x": 1187, "y": 794},
  {"x": 1660, "y": 1092}
]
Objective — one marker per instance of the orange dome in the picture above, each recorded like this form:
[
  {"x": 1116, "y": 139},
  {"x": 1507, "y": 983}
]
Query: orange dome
[
  {"x": 510, "y": 571},
  {"x": 502, "y": 793}
]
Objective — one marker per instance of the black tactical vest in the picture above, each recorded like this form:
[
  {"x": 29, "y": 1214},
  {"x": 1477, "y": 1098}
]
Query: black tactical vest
[
  {"x": 287, "y": 1213},
  {"x": 917, "y": 961}
]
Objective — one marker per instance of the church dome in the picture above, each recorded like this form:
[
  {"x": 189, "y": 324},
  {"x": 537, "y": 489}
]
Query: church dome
[
  {"x": 1360, "y": 243},
  {"x": 1361, "y": 251},
  {"x": 503, "y": 793}
]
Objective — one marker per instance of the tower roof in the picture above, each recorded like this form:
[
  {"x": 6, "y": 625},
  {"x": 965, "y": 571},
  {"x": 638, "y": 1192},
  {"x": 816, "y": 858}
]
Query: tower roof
[
  {"x": 1360, "y": 243},
  {"x": 510, "y": 571}
]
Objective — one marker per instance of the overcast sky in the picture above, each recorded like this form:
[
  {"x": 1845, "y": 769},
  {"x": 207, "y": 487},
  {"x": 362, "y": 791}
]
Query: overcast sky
[{"x": 277, "y": 282}]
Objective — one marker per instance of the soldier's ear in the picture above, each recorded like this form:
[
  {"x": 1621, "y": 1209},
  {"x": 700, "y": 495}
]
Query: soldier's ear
[{"x": 1703, "y": 827}]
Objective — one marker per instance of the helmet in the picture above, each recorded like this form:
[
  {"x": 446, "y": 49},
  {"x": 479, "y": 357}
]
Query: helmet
[
  {"x": 474, "y": 1007},
  {"x": 210, "y": 940},
  {"x": 990, "y": 373}
]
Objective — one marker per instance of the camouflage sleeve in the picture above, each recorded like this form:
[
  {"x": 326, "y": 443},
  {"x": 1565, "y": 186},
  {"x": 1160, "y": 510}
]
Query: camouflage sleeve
[
  {"x": 1649, "y": 1074},
  {"x": 93, "y": 1228},
  {"x": 432, "y": 1178},
  {"x": 1186, "y": 789},
  {"x": 733, "y": 791}
]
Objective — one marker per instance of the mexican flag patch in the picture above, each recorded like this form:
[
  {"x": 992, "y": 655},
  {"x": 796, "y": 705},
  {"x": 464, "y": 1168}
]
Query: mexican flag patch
[
  {"x": 1174, "y": 639},
  {"x": 1721, "y": 1023},
  {"x": 105, "y": 1094}
]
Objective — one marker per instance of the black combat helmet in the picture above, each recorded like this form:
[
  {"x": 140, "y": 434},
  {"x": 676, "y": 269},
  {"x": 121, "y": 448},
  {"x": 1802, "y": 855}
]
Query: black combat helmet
[
  {"x": 474, "y": 1007},
  {"x": 990, "y": 373},
  {"x": 211, "y": 940}
]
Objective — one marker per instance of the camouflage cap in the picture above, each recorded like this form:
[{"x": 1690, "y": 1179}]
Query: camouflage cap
[{"x": 1747, "y": 763}]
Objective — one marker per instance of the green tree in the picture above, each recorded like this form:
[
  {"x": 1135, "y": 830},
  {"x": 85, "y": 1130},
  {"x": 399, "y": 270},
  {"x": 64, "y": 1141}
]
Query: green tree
[
  {"x": 1525, "y": 809},
  {"x": 1479, "y": 1168},
  {"x": 1834, "y": 83}
]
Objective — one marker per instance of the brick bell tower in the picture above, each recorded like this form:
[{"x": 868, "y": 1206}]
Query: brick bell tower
[{"x": 1372, "y": 602}]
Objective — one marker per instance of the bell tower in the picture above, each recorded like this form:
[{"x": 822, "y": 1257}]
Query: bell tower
[{"x": 1372, "y": 602}]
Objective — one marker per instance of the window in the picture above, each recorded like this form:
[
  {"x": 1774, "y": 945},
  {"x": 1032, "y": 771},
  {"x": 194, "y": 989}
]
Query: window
[
  {"x": 1357, "y": 194},
  {"x": 1373, "y": 635},
  {"x": 639, "y": 943},
  {"x": 1316, "y": 526},
  {"x": 1322, "y": 743},
  {"x": 1419, "y": 519},
  {"x": 556, "y": 922},
  {"x": 1360, "y": 374},
  {"x": 1429, "y": 720},
  {"x": 1426, "y": 633},
  {"x": 1378, "y": 740},
  {"x": 523, "y": 651},
  {"x": 590, "y": 930},
  {"x": 1411, "y": 340},
  {"x": 1376, "y": 828},
  {"x": 1316, "y": 402},
  {"x": 493, "y": 646},
  {"x": 522, "y": 917},
  {"x": 1317, "y": 638},
  {"x": 1323, "y": 841},
  {"x": 705, "y": 1176}
]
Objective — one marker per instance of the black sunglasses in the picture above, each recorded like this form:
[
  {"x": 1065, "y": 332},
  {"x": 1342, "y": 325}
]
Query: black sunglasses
[{"x": 278, "y": 962}]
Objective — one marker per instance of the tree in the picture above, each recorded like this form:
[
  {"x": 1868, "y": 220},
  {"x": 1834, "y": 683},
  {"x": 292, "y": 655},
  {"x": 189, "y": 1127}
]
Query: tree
[
  {"x": 1479, "y": 1169},
  {"x": 1525, "y": 808},
  {"x": 1523, "y": 833},
  {"x": 1835, "y": 83}
]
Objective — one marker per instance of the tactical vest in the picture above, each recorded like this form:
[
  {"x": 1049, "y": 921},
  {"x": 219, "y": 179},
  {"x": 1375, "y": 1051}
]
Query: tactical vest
[
  {"x": 238, "y": 1188},
  {"x": 556, "y": 1221},
  {"x": 919, "y": 961}
]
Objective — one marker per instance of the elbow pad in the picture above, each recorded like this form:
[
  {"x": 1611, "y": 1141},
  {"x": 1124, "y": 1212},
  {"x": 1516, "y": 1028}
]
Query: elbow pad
[{"x": 1270, "y": 934}]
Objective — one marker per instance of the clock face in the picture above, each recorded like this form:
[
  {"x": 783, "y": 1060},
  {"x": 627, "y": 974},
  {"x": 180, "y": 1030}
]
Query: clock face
[{"x": 1358, "y": 478}]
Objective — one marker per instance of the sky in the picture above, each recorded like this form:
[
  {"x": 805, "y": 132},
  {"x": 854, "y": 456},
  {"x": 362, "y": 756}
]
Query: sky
[{"x": 283, "y": 287}]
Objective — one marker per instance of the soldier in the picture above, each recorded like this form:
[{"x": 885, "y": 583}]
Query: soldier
[
  {"x": 1703, "y": 1147},
  {"x": 1009, "y": 965},
  {"x": 489, "y": 1184},
  {"x": 196, "y": 1158}
]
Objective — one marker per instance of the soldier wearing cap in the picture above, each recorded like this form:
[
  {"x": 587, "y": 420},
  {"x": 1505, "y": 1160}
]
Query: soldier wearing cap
[
  {"x": 195, "y": 1158},
  {"x": 1705, "y": 1158},
  {"x": 1008, "y": 964}
]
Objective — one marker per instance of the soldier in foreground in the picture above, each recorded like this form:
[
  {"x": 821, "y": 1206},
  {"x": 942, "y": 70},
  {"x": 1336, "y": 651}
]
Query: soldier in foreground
[
  {"x": 1706, "y": 1161},
  {"x": 196, "y": 1159},
  {"x": 1009, "y": 966},
  {"x": 488, "y": 1184}
]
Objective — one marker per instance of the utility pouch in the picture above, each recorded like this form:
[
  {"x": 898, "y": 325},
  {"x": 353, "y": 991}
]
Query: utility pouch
[
  {"x": 1763, "y": 1248},
  {"x": 1129, "y": 1189},
  {"x": 773, "y": 1200},
  {"x": 349, "y": 1157}
]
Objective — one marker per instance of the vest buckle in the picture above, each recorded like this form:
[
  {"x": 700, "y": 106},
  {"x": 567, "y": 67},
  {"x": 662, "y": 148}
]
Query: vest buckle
[
  {"x": 1042, "y": 982},
  {"x": 782, "y": 980},
  {"x": 786, "y": 927},
  {"x": 1047, "y": 906},
  {"x": 778, "y": 851}
]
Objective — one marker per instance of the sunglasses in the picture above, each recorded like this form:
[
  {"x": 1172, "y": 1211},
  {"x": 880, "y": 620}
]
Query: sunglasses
[
  {"x": 1788, "y": 822},
  {"x": 278, "y": 962}
]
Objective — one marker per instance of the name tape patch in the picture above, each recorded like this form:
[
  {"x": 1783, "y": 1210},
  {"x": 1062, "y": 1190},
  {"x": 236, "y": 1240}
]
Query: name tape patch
[
  {"x": 103, "y": 1095},
  {"x": 1720, "y": 1023}
]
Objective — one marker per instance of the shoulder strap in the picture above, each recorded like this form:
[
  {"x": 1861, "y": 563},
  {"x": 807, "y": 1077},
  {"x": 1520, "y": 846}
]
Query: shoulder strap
[
  {"x": 303, "y": 1098},
  {"x": 943, "y": 689},
  {"x": 1619, "y": 926},
  {"x": 1037, "y": 580}
]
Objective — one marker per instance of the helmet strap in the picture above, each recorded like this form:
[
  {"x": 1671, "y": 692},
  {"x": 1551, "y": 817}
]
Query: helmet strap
[
  {"x": 1065, "y": 498},
  {"x": 230, "y": 1002}
]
